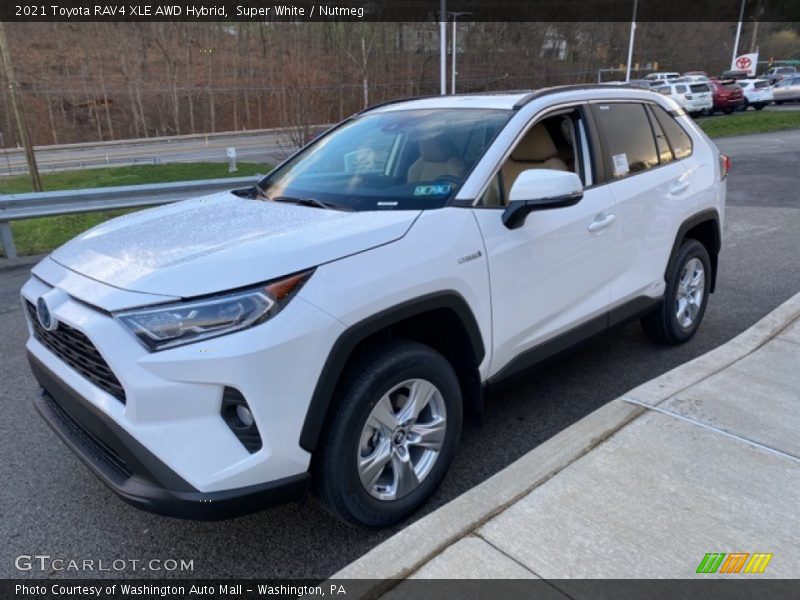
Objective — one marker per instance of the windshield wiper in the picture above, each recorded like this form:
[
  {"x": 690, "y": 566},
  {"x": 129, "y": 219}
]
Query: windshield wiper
[{"x": 311, "y": 202}]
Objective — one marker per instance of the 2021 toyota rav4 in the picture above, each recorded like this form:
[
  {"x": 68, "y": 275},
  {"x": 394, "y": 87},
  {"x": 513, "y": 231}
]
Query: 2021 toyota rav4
[{"x": 336, "y": 323}]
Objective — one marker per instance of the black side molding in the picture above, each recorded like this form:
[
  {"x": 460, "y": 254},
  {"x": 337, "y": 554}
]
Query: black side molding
[
  {"x": 574, "y": 338},
  {"x": 347, "y": 342}
]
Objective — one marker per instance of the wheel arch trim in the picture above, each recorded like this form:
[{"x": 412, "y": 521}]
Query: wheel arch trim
[
  {"x": 348, "y": 341},
  {"x": 709, "y": 215}
]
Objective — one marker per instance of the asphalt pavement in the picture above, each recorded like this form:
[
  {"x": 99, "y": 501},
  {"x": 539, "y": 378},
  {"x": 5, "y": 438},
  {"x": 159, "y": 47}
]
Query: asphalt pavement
[{"x": 52, "y": 505}]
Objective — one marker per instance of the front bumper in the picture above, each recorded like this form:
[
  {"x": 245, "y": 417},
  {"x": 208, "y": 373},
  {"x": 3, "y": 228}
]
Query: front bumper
[{"x": 134, "y": 473}]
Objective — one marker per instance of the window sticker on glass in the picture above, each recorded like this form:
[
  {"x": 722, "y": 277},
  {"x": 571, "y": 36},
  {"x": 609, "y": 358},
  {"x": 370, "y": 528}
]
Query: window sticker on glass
[
  {"x": 437, "y": 189},
  {"x": 620, "y": 164}
]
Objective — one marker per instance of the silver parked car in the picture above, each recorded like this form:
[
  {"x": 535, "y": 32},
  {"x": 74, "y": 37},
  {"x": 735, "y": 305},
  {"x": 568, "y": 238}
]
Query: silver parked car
[{"x": 787, "y": 90}]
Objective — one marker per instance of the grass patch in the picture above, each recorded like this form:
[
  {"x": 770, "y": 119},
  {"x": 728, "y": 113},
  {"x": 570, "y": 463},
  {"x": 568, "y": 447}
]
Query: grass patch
[
  {"x": 35, "y": 236},
  {"x": 750, "y": 122}
]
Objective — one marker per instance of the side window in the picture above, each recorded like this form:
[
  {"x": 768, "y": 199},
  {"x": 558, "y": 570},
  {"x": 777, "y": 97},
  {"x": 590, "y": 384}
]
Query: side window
[
  {"x": 628, "y": 137},
  {"x": 678, "y": 139},
  {"x": 680, "y": 89},
  {"x": 662, "y": 145},
  {"x": 555, "y": 142}
]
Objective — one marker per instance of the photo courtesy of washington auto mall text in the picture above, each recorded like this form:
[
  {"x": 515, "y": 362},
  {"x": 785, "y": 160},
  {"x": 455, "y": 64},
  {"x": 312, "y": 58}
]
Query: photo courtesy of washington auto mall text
[{"x": 400, "y": 299}]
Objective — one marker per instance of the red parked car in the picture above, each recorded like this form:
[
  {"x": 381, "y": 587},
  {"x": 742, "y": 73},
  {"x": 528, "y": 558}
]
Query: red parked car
[{"x": 728, "y": 95}]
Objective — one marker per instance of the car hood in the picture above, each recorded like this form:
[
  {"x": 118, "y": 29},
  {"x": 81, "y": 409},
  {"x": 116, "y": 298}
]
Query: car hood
[{"x": 221, "y": 242}]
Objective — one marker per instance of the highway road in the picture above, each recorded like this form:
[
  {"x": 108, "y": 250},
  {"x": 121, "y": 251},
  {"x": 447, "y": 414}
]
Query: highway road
[
  {"x": 261, "y": 146},
  {"x": 51, "y": 504}
]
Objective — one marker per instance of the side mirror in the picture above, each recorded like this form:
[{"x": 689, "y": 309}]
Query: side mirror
[{"x": 540, "y": 189}]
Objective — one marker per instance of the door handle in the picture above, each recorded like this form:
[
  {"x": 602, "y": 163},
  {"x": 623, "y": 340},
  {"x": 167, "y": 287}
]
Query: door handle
[
  {"x": 600, "y": 222},
  {"x": 679, "y": 187}
]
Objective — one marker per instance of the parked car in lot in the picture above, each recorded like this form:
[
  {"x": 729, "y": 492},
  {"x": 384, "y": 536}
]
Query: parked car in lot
[
  {"x": 662, "y": 76},
  {"x": 757, "y": 93},
  {"x": 643, "y": 83},
  {"x": 338, "y": 320},
  {"x": 727, "y": 94},
  {"x": 736, "y": 75},
  {"x": 776, "y": 74},
  {"x": 695, "y": 98},
  {"x": 787, "y": 90},
  {"x": 694, "y": 78}
]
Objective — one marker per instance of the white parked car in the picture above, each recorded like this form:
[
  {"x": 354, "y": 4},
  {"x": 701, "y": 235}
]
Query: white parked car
[
  {"x": 663, "y": 76},
  {"x": 757, "y": 93},
  {"x": 695, "y": 98},
  {"x": 338, "y": 321}
]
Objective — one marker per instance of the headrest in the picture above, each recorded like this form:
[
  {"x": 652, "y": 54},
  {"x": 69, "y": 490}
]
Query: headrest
[
  {"x": 536, "y": 146},
  {"x": 437, "y": 148}
]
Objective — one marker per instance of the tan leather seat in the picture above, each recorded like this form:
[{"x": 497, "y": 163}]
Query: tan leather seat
[
  {"x": 535, "y": 151},
  {"x": 438, "y": 157}
]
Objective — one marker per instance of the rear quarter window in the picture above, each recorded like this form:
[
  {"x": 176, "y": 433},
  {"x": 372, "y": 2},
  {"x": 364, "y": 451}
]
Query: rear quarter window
[{"x": 680, "y": 141}]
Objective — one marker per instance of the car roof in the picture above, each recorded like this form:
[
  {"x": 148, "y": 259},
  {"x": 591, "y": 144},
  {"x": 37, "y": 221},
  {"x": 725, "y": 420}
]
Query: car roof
[{"x": 511, "y": 100}]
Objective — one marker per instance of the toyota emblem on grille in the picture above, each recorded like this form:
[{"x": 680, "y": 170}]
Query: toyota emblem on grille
[{"x": 43, "y": 314}]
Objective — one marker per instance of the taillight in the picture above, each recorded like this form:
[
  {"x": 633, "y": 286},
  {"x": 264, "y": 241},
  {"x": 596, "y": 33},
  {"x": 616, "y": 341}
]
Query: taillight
[{"x": 724, "y": 165}]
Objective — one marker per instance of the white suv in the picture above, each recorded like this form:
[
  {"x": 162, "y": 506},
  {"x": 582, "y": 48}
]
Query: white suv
[
  {"x": 338, "y": 321},
  {"x": 757, "y": 93},
  {"x": 695, "y": 97}
]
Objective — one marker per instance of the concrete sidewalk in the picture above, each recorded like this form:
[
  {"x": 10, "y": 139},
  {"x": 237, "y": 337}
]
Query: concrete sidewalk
[{"x": 705, "y": 458}]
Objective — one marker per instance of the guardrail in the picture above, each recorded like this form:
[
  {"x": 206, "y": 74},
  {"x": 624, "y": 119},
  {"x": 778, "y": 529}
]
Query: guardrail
[{"x": 14, "y": 207}]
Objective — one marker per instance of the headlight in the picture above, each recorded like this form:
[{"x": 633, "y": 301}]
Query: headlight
[{"x": 171, "y": 325}]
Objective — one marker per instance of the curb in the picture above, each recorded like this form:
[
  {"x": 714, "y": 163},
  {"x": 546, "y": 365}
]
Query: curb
[{"x": 412, "y": 547}]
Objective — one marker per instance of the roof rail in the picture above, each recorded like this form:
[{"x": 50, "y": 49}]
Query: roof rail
[{"x": 569, "y": 88}]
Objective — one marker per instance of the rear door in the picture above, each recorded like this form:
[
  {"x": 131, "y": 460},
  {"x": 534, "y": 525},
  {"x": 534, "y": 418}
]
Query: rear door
[{"x": 650, "y": 180}]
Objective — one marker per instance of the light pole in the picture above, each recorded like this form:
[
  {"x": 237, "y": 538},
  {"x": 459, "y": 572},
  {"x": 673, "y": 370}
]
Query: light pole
[
  {"x": 630, "y": 44},
  {"x": 738, "y": 35},
  {"x": 443, "y": 47},
  {"x": 455, "y": 16}
]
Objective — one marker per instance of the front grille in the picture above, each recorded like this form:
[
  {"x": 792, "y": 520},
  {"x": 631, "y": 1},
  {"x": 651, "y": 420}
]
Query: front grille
[{"x": 77, "y": 350}]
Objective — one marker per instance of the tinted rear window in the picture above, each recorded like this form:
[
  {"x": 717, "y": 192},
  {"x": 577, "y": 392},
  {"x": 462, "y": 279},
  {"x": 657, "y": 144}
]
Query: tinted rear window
[
  {"x": 698, "y": 88},
  {"x": 678, "y": 138},
  {"x": 730, "y": 87},
  {"x": 761, "y": 84},
  {"x": 627, "y": 132}
]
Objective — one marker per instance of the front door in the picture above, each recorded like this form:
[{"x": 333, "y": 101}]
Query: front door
[{"x": 554, "y": 272}]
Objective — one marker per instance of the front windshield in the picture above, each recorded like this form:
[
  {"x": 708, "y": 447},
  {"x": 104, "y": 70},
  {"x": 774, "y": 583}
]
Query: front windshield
[{"x": 405, "y": 159}]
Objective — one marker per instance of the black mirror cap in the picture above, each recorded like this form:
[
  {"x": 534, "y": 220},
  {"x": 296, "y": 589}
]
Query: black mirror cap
[{"x": 517, "y": 210}]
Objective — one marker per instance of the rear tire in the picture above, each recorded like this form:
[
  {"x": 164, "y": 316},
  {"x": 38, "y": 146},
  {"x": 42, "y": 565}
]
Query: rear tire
[
  {"x": 379, "y": 462},
  {"x": 678, "y": 316},
  {"x": 727, "y": 111},
  {"x": 759, "y": 106}
]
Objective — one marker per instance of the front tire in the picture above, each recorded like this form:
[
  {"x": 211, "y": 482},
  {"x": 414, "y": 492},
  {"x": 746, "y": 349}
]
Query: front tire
[
  {"x": 393, "y": 437},
  {"x": 678, "y": 316}
]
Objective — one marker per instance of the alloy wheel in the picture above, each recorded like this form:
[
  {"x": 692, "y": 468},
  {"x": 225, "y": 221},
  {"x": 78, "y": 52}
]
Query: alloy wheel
[
  {"x": 401, "y": 439},
  {"x": 690, "y": 292}
]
